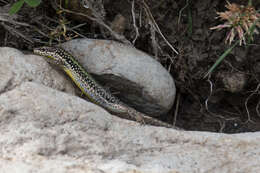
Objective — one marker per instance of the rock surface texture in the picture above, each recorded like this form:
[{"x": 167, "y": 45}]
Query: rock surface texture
[
  {"x": 44, "y": 130},
  {"x": 16, "y": 67},
  {"x": 143, "y": 81}
]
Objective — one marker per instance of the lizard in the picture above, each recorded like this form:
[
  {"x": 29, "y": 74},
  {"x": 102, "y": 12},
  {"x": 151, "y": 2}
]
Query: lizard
[{"x": 91, "y": 88}]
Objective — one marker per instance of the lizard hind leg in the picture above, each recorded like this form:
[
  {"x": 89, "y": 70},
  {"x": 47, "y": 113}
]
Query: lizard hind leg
[
  {"x": 144, "y": 119},
  {"x": 137, "y": 116}
]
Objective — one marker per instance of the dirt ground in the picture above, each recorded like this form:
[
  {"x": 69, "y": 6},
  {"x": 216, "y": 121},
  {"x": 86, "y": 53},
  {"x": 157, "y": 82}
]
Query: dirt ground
[{"x": 228, "y": 101}]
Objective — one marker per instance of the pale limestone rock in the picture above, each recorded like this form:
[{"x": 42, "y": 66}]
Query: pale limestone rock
[
  {"x": 16, "y": 67},
  {"x": 45, "y": 130}
]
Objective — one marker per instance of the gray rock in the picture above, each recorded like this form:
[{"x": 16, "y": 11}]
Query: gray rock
[
  {"x": 150, "y": 89},
  {"x": 142, "y": 81},
  {"x": 44, "y": 130},
  {"x": 16, "y": 67}
]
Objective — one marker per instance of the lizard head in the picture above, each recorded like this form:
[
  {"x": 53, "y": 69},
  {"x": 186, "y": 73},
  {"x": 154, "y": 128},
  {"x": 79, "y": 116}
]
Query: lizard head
[{"x": 53, "y": 55}]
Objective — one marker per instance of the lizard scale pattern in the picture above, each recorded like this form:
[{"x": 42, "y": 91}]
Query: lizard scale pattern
[{"x": 92, "y": 89}]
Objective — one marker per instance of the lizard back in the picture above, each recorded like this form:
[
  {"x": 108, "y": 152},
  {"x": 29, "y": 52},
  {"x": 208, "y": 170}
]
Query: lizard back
[
  {"x": 91, "y": 88},
  {"x": 87, "y": 84}
]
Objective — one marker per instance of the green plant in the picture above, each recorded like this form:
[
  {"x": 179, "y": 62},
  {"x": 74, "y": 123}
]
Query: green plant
[
  {"x": 242, "y": 21},
  {"x": 18, "y": 5},
  {"x": 239, "y": 19}
]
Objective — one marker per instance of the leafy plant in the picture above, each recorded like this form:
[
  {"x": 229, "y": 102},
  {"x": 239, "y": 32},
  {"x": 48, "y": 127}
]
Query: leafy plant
[
  {"x": 242, "y": 21},
  {"x": 18, "y": 5},
  {"x": 239, "y": 19}
]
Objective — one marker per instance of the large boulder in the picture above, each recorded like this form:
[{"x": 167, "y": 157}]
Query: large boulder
[{"x": 44, "y": 130}]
